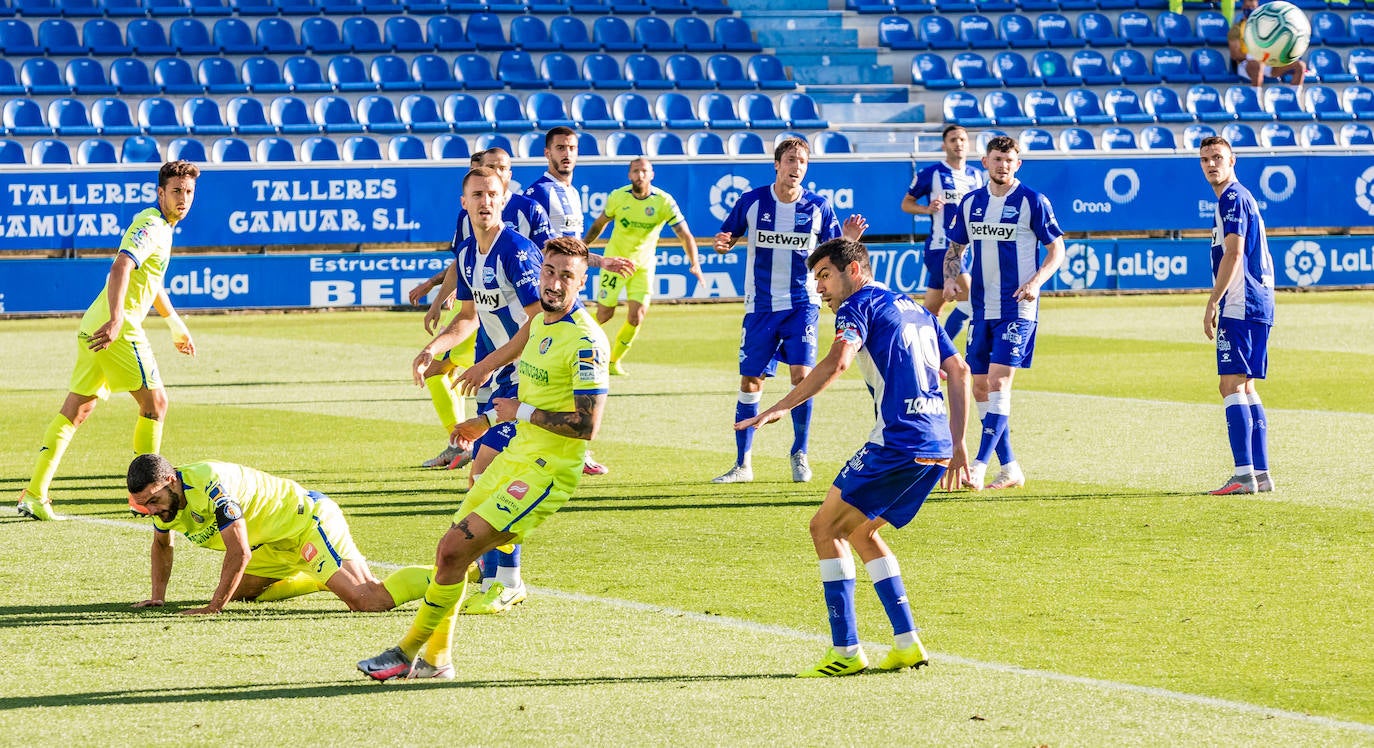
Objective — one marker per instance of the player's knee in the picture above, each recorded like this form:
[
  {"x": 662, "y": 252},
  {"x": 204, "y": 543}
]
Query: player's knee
[
  {"x": 823, "y": 528},
  {"x": 369, "y": 598}
]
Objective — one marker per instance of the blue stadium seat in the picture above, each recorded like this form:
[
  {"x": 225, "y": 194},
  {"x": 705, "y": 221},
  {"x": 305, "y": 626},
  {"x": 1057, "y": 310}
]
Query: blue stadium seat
[
  {"x": 1033, "y": 139},
  {"x": 1282, "y": 102},
  {"x": 643, "y": 72},
  {"x": 1172, "y": 66},
  {"x": 158, "y": 116},
  {"x": 246, "y": 116},
  {"x": 977, "y": 32},
  {"x": 303, "y": 75},
  {"x": 591, "y": 112},
  {"x": 653, "y": 34},
  {"x": 1076, "y": 139},
  {"x": 1240, "y": 135},
  {"x": 17, "y": 39},
  {"x": 341, "y": 7},
  {"x": 190, "y": 37},
  {"x": 321, "y": 36},
  {"x": 105, "y": 38},
  {"x": 1095, "y": 29},
  {"x": 275, "y": 149},
  {"x": 48, "y": 151},
  {"x": 728, "y": 73},
  {"x": 624, "y": 144},
  {"x": 229, "y": 151},
  {"x": 362, "y": 35},
  {"x": 1315, "y": 134},
  {"x": 831, "y": 141},
  {"x": 1328, "y": 30},
  {"x": 391, "y": 73},
  {"x": 361, "y": 148},
  {"x": 124, "y": 8},
  {"x": 1004, "y": 110},
  {"x": 140, "y": 149},
  {"x": 632, "y": 110},
  {"x": 203, "y": 117},
  {"x": 1091, "y": 66},
  {"x": 560, "y": 70},
  {"x": 336, "y": 115},
  {"x": 82, "y": 8},
  {"x": 745, "y": 144},
  {"x": 40, "y": 76},
  {"x": 767, "y": 72},
  {"x": 531, "y": 35},
  {"x": 86, "y": 77},
  {"x": 420, "y": 113},
  {"x": 613, "y": 34},
  {"x": 232, "y": 36},
  {"x": 1157, "y": 138},
  {"x": 571, "y": 35},
  {"x": 757, "y": 110},
  {"x": 971, "y": 71},
  {"x": 464, "y": 113},
  {"x": 1042, "y": 105},
  {"x": 112, "y": 117},
  {"x": 1134, "y": 69},
  {"x": 406, "y": 148},
  {"x": 963, "y": 108},
  {"x": 1328, "y": 67},
  {"x": 1205, "y": 104},
  {"x": 898, "y": 33},
  {"x": 130, "y": 76},
  {"x": 1085, "y": 107},
  {"x": 1213, "y": 66},
  {"x": 262, "y": 75},
  {"x": 9, "y": 84},
  {"x": 1213, "y": 28},
  {"x": 91, "y": 151},
  {"x": 1323, "y": 102},
  {"x": 986, "y": 136},
  {"x": 505, "y": 113},
  {"x": 210, "y": 8},
  {"x": 186, "y": 149},
  {"x": 219, "y": 76},
  {"x": 1277, "y": 135},
  {"x": 516, "y": 69},
  {"x": 938, "y": 33},
  {"x": 493, "y": 140},
  {"x": 734, "y": 34},
  {"x": 174, "y": 76},
  {"x": 1362, "y": 26},
  {"x": 676, "y": 112},
  {"x": 291, "y": 117},
  {"x": 474, "y": 72},
  {"x": 931, "y": 71},
  {"x": 1242, "y": 102},
  {"x": 378, "y": 115},
  {"x": 487, "y": 32},
  {"x": 1054, "y": 30},
  {"x": 666, "y": 144},
  {"x": 800, "y": 112},
  {"x": 719, "y": 112},
  {"x": 1356, "y": 134},
  {"x": 546, "y": 110},
  {"x": 1124, "y": 107},
  {"x": 686, "y": 73},
  {"x": 348, "y": 73},
  {"x": 1012, "y": 70},
  {"x": 693, "y": 35},
  {"x": 602, "y": 71},
  {"x": 698, "y": 144},
  {"x": 1193, "y": 135},
  {"x": 403, "y": 34},
  {"x": 256, "y": 7},
  {"x": 1138, "y": 30},
  {"x": 278, "y": 36},
  {"x": 1053, "y": 69},
  {"x": 1117, "y": 139},
  {"x": 158, "y": 8},
  {"x": 1164, "y": 105},
  {"x": 447, "y": 35},
  {"x": 1176, "y": 30},
  {"x": 450, "y": 147},
  {"x": 67, "y": 118},
  {"x": 1018, "y": 32},
  {"x": 57, "y": 36},
  {"x": 1361, "y": 64}
]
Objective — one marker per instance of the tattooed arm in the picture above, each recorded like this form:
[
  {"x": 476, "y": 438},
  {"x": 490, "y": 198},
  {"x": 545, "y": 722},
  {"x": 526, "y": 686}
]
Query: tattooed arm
[
  {"x": 954, "y": 264},
  {"x": 581, "y": 423}
]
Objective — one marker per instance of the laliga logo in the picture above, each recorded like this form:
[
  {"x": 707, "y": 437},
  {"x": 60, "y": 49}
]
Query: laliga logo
[
  {"x": 1364, "y": 191},
  {"x": 1080, "y": 267},
  {"x": 1289, "y": 187},
  {"x": 725, "y": 192},
  {"x": 1303, "y": 264}
]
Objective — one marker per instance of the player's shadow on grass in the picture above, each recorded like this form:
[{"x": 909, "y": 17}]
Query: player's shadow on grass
[
  {"x": 334, "y": 689},
  {"x": 105, "y": 614}
]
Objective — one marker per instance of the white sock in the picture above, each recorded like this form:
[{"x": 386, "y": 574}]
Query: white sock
[
  {"x": 906, "y": 640},
  {"x": 508, "y": 576}
]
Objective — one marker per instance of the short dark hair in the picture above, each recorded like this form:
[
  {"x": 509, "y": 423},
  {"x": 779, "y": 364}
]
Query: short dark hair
[
  {"x": 173, "y": 169},
  {"x": 478, "y": 172},
  {"x": 790, "y": 144},
  {"x": 1003, "y": 143},
  {"x": 566, "y": 245},
  {"x": 841, "y": 253},
  {"x": 475, "y": 160},
  {"x": 949, "y": 129},
  {"x": 555, "y": 132},
  {"x": 1215, "y": 140},
  {"x": 148, "y": 469}
]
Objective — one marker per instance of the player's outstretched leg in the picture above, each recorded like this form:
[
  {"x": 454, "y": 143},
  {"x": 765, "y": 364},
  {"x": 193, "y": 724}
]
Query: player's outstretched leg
[
  {"x": 845, "y": 656},
  {"x": 33, "y": 500},
  {"x": 887, "y": 582}
]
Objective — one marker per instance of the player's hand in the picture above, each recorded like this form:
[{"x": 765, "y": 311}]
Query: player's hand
[
  {"x": 420, "y": 365},
  {"x": 105, "y": 335},
  {"x": 1028, "y": 292},
  {"x": 470, "y": 430},
  {"x": 472, "y": 379},
  {"x": 695, "y": 269},
  {"x": 432, "y": 318},
  {"x": 723, "y": 242},
  {"x": 854, "y": 227},
  {"x": 418, "y": 293},
  {"x": 957, "y": 472},
  {"x": 149, "y": 604},
  {"x": 185, "y": 346},
  {"x": 208, "y": 610},
  {"x": 760, "y": 420},
  {"x": 505, "y": 407},
  {"x": 1209, "y": 320},
  {"x": 951, "y": 289},
  {"x": 936, "y": 205}
]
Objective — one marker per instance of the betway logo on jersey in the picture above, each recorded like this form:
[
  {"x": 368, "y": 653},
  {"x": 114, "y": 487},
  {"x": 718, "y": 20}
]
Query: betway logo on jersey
[
  {"x": 486, "y": 299},
  {"x": 782, "y": 240},
  {"x": 1001, "y": 232}
]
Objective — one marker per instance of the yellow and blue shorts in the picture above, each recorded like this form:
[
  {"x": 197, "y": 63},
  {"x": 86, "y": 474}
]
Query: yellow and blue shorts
[
  {"x": 125, "y": 366},
  {"x": 637, "y": 287},
  {"x": 516, "y": 493},
  {"x": 319, "y": 551}
]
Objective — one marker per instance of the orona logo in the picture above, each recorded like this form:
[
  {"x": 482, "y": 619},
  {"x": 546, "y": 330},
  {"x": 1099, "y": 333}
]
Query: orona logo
[
  {"x": 1272, "y": 191},
  {"x": 1121, "y": 185},
  {"x": 1080, "y": 267},
  {"x": 725, "y": 192},
  {"x": 1304, "y": 263},
  {"x": 1364, "y": 191}
]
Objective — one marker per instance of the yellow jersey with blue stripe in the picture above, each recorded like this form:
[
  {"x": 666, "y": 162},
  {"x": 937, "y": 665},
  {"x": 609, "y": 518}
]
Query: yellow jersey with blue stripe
[
  {"x": 562, "y": 360},
  {"x": 638, "y": 221},
  {"x": 148, "y": 242},
  {"x": 221, "y": 493}
]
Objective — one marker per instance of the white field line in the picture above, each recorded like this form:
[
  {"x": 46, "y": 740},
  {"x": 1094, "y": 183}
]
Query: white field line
[{"x": 740, "y": 624}]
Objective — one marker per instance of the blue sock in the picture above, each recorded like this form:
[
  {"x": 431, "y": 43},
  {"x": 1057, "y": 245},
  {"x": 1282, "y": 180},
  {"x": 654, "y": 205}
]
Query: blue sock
[
  {"x": 887, "y": 582},
  {"x": 746, "y": 407},
  {"x": 1238, "y": 427},
  {"x": 488, "y": 563},
  {"x": 1000, "y": 402},
  {"x": 1259, "y": 435},
  {"x": 837, "y": 577},
  {"x": 509, "y": 559},
  {"x": 801, "y": 426},
  {"x": 954, "y": 323}
]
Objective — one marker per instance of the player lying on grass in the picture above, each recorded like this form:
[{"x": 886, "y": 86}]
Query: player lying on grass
[
  {"x": 901, "y": 349},
  {"x": 279, "y": 540}
]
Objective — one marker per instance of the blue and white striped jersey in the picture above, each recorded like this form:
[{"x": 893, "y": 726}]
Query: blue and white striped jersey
[
  {"x": 500, "y": 283},
  {"x": 901, "y": 346},
  {"x": 780, "y": 236},
  {"x": 521, "y": 215},
  {"x": 1251, "y": 296},
  {"x": 562, "y": 203},
  {"x": 1005, "y": 235},
  {"x": 943, "y": 182}
]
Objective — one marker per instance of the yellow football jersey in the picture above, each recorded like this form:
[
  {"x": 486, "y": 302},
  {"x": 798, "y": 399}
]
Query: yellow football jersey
[
  {"x": 148, "y": 242},
  {"x": 638, "y": 221},
  {"x": 561, "y": 360},
  {"x": 218, "y": 493}
]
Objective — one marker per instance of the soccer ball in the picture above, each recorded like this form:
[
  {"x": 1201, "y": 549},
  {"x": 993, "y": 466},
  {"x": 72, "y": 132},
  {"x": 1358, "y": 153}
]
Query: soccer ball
[{"x": 1277, "y": 34}]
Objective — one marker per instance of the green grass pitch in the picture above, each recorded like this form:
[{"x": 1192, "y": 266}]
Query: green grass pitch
[{"x": 1105, "y": 603}]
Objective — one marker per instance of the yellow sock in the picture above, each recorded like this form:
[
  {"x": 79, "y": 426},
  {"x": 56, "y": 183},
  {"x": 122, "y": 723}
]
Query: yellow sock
[
  {"x": 408, "y": 583},
  {"x": 55, "y": 441},
  {"x": 295, "y": 585},
  {"x": 623, "y": 340},
  {"x": 439, "y": 649},
  {"x": 439, "y": 600},
  {"x": 447, "y": 404},
  {"x": 147, "y": 436}
]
